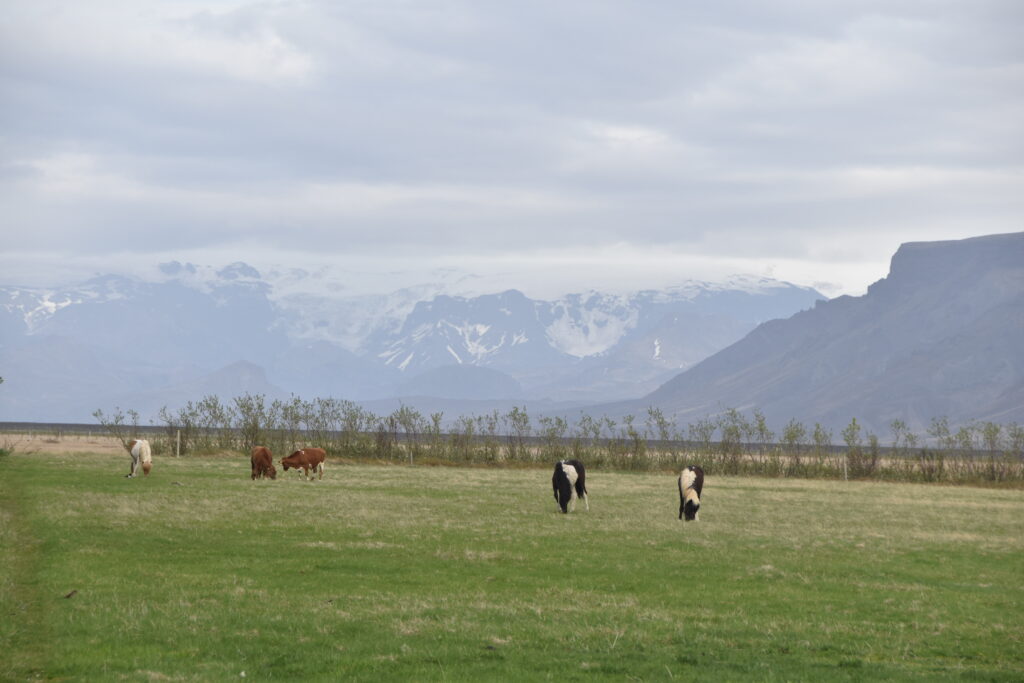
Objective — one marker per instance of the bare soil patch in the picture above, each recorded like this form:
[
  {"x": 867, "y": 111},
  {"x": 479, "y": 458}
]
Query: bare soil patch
[{"x": 50, "y": 444}]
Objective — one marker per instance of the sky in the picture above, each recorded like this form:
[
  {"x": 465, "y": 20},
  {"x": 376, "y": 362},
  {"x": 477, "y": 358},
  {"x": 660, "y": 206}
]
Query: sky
[{"x": 571, "y": 145}]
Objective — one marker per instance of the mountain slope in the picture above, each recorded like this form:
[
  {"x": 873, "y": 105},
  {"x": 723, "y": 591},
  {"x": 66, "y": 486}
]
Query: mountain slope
[{"x": 942, "y": 335}]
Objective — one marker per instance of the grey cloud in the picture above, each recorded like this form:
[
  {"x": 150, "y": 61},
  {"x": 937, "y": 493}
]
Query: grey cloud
[{"x": 504, "y": 126}]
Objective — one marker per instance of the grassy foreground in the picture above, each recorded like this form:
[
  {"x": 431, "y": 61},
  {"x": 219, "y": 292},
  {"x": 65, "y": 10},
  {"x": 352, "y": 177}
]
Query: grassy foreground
[{"x": 380, "y": 573}]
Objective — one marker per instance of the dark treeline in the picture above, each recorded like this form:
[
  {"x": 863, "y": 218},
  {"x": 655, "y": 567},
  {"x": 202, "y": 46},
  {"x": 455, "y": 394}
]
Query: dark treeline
[{"x": 729, "y": 443}]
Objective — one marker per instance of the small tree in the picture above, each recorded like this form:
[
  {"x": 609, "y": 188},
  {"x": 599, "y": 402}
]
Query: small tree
[
  {"x": 589, "y": 429},
  {"x": 732, "y": 427},
  {"x": 702, "y": 432},
  {"x": 991, "y": 435},
  {"x": 851, "y": 435},
  {"x": 463, "y": 436},
  {"x": 939, "y": 432},
  {"x": 518, "y": 424},
  {"x": 765, "y": 437},
  {"x": 487, "y": 425},
  {"x": 434, "y": 434},
  {"x": 899, "y": 432},
  {"x": 253, "y": 419},
  {"x": 386, "y": 436},
  {"x": 180, "y": 427},
  {"x": 663, "y": 428},
  {"x": 1015, "y": 440},
  {"x": 552, "y": 429},
  {"x": 794, "y": 434},
  {"x": 411, "y": 422},
  {"x": 117, "y": 427},
  {"x": 871, "y": 463},
  {"x": 638, "y": 443},
  {"x": 822, "y": 438}
]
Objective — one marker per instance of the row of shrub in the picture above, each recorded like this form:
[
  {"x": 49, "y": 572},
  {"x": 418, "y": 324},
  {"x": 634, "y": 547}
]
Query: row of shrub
[{"x": 729, "y": 443}]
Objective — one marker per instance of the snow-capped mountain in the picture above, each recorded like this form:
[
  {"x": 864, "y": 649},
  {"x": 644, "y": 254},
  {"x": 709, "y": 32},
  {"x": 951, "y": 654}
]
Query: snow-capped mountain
[
  {"x": 60, "y": 348},
  {"x": 583, "y": 346}
]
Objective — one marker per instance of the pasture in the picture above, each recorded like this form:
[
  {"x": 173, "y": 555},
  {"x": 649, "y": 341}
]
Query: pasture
[{"x": 432, "y": 573}]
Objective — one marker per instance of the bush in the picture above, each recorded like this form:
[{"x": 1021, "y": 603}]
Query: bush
[{"x": 984, "y": 453}]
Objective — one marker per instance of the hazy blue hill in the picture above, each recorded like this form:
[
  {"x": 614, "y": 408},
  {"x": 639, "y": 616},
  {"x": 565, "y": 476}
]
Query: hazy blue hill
[
  {"x": 228, "y": 382},
  {"x": 320, "y": 368},
  {"x": 170, "y": 322},
  {"x": 462, "y": 382}
]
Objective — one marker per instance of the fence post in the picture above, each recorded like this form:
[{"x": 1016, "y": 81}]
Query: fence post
[
  {"x": 846, "y": 456},
  {"x": 177, "y": 444}
]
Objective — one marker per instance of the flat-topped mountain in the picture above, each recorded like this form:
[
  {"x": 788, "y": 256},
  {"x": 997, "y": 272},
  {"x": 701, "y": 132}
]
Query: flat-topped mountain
[{"x": 941, "y": 335}]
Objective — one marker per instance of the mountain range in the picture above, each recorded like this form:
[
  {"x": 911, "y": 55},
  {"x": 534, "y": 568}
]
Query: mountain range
[
  {"x": 197, "y": 330},
  {"x": 941, "y": 336}
]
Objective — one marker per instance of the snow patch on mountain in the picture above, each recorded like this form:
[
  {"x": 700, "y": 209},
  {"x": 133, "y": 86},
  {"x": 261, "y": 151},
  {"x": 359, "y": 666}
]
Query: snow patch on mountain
[
  {"x": 473, "y": 337},
  {"x": 35, "y": 310},
  {"x": 35, "y": 306},
  {"x": 691, "y": 289},
  {"x": 590, "y": 324},
  {"x": 454, "y": 355}
]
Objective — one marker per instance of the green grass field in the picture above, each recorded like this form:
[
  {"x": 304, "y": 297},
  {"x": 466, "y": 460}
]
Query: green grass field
[{"x": 420, "y": 573}]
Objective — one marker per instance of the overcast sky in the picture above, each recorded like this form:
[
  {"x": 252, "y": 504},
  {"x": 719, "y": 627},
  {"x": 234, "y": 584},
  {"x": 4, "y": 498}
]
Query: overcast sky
[{"x": 578, "y": 144}]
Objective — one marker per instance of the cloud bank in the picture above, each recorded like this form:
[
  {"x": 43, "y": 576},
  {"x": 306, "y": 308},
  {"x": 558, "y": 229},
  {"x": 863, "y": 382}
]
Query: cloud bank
[{"x": 606, "y": 139}]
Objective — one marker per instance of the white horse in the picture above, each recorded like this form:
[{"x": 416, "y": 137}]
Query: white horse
[{"x": 140, "y": 451}]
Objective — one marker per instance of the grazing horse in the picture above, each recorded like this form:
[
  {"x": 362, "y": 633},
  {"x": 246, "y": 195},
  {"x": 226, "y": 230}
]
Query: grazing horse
[
  {"x": 262, "y": 463},
  {"x": 308, "y": 459},
  {"x": 140, "y": 451},
  {"x": 569, "y": 482},
  {"x": 691, "y": 483}
]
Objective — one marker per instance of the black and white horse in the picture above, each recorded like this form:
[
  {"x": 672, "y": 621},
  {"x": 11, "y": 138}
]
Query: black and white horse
[
  {"x": 691, "y": 482},
  {"x": 569, "y": 483}
]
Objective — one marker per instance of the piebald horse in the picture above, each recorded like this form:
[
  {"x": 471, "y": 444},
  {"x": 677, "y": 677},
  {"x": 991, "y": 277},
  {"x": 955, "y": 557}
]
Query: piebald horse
[
  {"x": 569, "y": 482},
  {"x": 691, "y": 484}
]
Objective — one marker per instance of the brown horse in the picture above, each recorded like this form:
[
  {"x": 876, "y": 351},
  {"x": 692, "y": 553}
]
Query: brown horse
[
  {"x": 308, "y": 459},
  {"x": 262, "y": 463}
]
